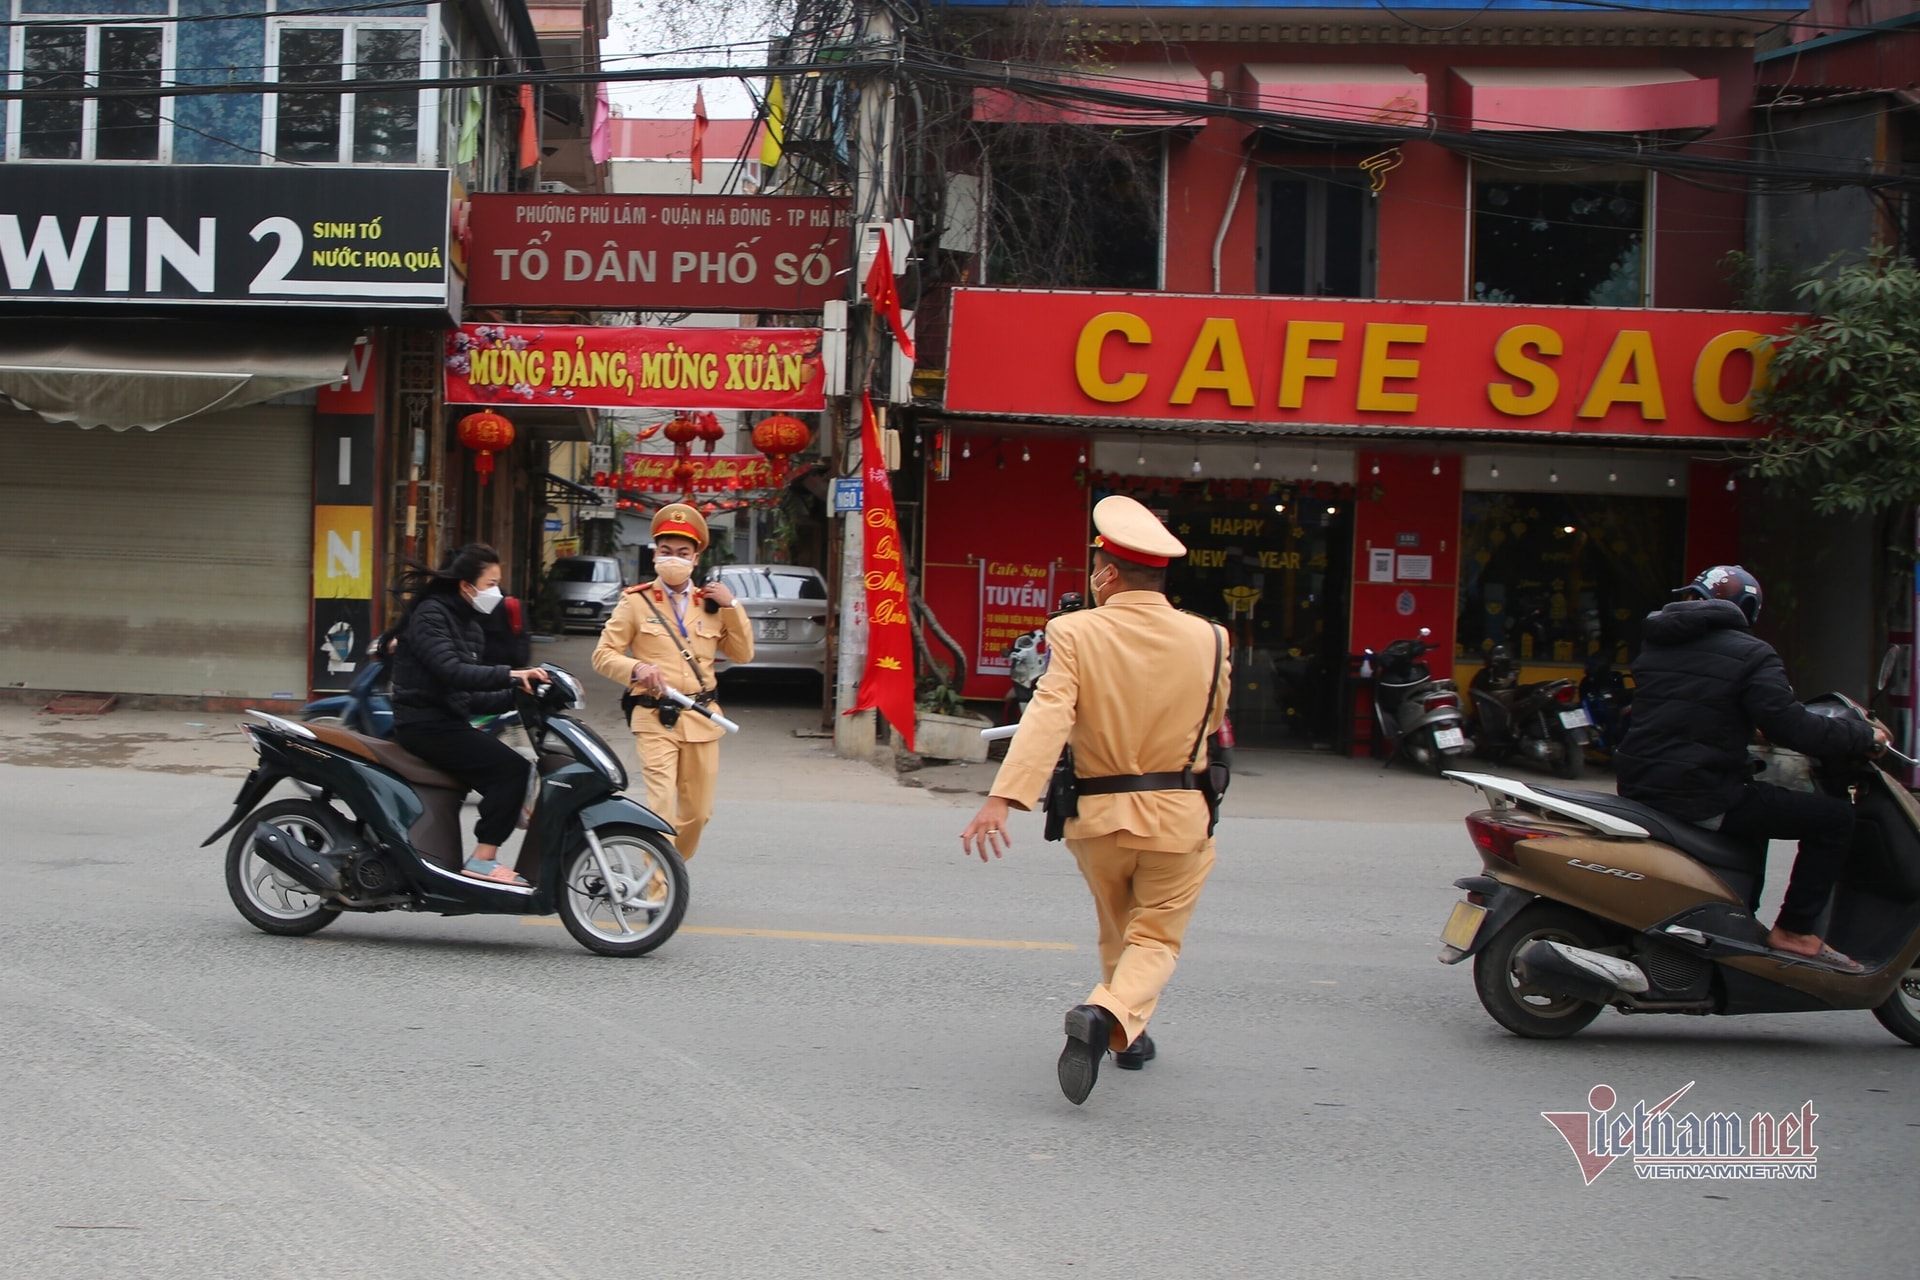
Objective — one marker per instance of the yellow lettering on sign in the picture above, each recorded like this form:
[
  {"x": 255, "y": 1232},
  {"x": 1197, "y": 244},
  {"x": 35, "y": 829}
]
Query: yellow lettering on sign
[
  {"x": 1086, "y": 356},
  {"x": 1298, "y": 363},
  {"x": 1218, "y": 337},
  {"x": 1713, "y": 359},
  {"x": 1377, "y": 365},
  {"x": 1543, "y": 384},
  {"x": 1207, "y": 558},
  {"x": 1632, "y": 351}
]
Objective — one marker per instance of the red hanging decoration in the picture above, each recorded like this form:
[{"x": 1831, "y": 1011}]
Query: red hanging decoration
[
  {"x": 780, "y": 437},
  {"x": 487, "y": 433},
  {"x": 708, "y": 428}
]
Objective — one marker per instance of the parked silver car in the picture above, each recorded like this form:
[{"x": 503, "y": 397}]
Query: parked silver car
[
  {"x": 585, "y": 589},
  {"x": 788, "y": 605}
]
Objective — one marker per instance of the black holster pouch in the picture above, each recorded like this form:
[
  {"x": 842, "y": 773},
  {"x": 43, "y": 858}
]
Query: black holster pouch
[
  {"x": 1063, "y": 796},
  {"x": 669, "y": 712}
]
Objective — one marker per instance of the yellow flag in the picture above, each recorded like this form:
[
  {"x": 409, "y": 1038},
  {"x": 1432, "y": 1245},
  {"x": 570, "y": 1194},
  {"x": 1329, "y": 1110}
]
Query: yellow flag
[{"x": 776, "y": 125}]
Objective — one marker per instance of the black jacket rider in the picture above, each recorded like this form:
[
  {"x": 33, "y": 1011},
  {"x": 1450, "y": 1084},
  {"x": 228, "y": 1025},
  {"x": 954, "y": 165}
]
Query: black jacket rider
[
  {"x": 437, "y": 669},
  {"x": 1703, "y": 683}
]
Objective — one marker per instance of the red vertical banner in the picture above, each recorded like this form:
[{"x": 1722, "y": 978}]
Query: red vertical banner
[{"x": 887, "y": 684}]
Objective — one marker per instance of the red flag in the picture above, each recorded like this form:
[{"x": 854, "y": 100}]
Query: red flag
[
  {"x": 697, "y": 154},
  {"x": 886, "y": 298},
  {"x": 888, "y": 682},
  {"x": 529, "y": 129}
]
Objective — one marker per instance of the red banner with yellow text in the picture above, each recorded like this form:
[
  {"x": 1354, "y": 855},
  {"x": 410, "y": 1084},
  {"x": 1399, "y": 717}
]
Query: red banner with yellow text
[
  {"x": 888, "y": 682},
  {"x": 1596, "y": 371},
  {"x": 589, "y": 367},
  {"x": 712, "y": 473}
]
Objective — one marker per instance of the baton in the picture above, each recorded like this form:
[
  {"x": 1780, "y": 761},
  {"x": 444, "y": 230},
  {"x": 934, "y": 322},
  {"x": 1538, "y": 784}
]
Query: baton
[
  {"x": 999, "y": 732},
  {"x": 682, "y": 700}
]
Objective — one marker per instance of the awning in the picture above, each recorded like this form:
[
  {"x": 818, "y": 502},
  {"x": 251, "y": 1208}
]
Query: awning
[
  {"x": 1584, "y": 100},
  {"x": 1172, "y": 83},
  {"x": 128, "y": 373},
  {"x": 1354, "y": 94}
]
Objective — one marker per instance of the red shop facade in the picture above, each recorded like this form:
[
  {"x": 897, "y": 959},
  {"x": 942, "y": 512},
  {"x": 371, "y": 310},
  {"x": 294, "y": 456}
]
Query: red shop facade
[{"x": 1344, "y": 473}]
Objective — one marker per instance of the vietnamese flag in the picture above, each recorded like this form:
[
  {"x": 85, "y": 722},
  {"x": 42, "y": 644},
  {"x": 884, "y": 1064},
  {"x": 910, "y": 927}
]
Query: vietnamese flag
[
  {"x": 886, "y": 298},
  {"x": 887, "y": 684},
  {"x": 529, "y": 129},
  {"x": 697, "y": 153}
]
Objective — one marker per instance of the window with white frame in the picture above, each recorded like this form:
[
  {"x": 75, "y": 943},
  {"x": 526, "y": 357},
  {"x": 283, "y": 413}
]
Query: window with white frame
[
  {"x": 122, "y": 59},
  {"x": 331, "y": 127}
]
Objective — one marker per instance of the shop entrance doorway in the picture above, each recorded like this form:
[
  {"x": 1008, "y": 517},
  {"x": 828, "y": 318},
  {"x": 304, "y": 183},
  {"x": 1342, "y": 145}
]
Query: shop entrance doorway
[{"x": 1276, "y": 571}]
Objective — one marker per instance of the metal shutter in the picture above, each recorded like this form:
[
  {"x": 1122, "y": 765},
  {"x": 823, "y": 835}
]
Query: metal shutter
[{"x": 176, "y": 561}]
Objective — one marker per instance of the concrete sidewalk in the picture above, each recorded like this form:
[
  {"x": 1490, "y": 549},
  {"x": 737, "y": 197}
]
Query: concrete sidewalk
[{"x": 778, "y": 755}]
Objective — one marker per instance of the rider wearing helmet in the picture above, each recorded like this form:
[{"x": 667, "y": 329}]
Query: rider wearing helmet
[{"x": 1703, "y": 683}]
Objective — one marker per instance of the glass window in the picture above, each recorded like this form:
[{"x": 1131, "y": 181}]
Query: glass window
[
  {"x": 366, "y": 128},
  {"x": 1555, "y": 240},
  {"x": 1559, "y": 577},
  {"x": 788, "y": 585},
  {"x": 1317, "y": 237},
  {"x": 80, "y": 57},
  {"x": 584, "y": 570}
]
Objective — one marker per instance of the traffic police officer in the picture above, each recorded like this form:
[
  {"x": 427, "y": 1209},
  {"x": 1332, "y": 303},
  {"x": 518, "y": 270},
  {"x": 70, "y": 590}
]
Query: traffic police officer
[
  {"x": 664, "y": 634},
  {"x": 1128, "y": 687}
]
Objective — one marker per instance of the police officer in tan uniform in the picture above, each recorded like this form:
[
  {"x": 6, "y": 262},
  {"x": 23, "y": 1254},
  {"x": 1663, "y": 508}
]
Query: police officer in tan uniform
[
  {"x": 1127, "y": 686},
  {"x": 664, "y": 634}
]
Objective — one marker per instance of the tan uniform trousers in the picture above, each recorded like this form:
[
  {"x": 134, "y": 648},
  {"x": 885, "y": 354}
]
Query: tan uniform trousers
[
  {"x": 1144, "y": 899},
  {"x": 680, "y": 778}
]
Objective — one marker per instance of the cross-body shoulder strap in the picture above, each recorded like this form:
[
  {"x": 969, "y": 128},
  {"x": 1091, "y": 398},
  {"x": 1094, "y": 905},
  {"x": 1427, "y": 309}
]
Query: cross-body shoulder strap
[
  {"x": 685, "y": 652},
  {"x": 1213, "y": 688}
]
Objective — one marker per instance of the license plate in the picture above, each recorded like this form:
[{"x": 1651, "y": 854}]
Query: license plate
[
  {"x": 1449, "y": 739},
  {"x": 581, "y": 608},
  {"x": 1575, "y": 720},
  {"x": 1463, "y": 925},
  {"x": 771, "y": 629}
]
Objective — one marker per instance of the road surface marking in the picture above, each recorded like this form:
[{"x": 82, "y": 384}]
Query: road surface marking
[{"x": 888, "y": 939}]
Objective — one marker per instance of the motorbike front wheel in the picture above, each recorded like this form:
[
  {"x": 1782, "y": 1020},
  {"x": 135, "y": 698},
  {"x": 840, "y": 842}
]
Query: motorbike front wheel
[
  {"x": 1426, "y": 754},
  {"x": 271, "y": 900},
  {"x": 1527, "y": 1010},
  {"x": 632, "y": 904},
  {"x": 1900, "y": 1012}
]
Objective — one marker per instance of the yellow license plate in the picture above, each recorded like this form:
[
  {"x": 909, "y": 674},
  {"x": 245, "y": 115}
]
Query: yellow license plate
[{"x": 1462, "y": 925}]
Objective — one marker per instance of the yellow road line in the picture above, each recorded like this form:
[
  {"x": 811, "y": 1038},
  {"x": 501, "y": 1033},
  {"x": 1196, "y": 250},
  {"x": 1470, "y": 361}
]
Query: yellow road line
[{"x": 886, "y": 939}]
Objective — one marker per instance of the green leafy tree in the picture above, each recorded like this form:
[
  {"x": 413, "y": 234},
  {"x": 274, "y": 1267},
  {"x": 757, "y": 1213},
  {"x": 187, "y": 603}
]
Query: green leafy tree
[{"x": 1844, "y": 406}]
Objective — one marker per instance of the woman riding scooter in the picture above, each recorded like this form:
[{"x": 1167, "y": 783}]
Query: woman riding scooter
[{"x": 440, "y": 683}]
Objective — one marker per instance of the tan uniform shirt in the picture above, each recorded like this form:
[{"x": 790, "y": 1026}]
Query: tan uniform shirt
[
  {"x": 1126, "y": 685},
  {"x": 633, "y": 635}
]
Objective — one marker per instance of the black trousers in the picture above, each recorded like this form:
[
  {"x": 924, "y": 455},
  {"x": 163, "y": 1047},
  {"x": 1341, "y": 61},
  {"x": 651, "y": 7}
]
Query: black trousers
[
  {"x": 1823, "y": 825},
  {"x": 482, "y": 761}
]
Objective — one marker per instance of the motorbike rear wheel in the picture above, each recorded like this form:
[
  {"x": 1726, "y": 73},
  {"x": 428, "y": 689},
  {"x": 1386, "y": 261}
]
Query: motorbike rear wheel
[
  {"x": 1900, "y": 1012},
  {"x": 271, "y": 900},
  {"x": 643, "y": 906},
  {"x": 1570, "y": 758},
  {"x": 1526, "y": 1010}
]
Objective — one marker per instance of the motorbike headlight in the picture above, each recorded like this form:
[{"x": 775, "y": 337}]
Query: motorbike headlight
[
  {"x": 605, "y": 762},
  {"x": 576, "y": 695}
]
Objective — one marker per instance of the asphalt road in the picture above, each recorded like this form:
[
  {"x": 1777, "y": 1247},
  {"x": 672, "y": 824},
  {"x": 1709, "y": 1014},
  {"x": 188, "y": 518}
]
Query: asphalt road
[{"x": 844, "y": 1067}]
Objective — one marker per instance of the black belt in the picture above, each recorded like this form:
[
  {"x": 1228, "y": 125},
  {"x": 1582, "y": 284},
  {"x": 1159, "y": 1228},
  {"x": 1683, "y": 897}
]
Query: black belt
[
  {"x": 1114, "y": 783},
  {"x": 703, "y": 698}
]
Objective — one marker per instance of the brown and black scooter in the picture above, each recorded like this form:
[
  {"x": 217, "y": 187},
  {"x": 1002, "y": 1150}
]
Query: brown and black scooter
[{"x": 1588, "y": 900}]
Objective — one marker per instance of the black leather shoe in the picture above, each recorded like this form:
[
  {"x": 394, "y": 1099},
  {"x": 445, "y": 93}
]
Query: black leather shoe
[
  {"x": 1089, "y": 1033},
  {"x": 1136, "y": 1055}
]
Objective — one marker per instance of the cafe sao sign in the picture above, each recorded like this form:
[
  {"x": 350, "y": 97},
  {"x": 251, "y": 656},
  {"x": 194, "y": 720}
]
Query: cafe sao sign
[{"x": 1444, "y": 366}]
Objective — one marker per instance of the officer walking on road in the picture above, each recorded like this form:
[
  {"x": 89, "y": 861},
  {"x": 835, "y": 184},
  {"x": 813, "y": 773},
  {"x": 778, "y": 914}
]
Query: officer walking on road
[
  {"x": 664, "y": 634},
  {"x": 1134, "y": 687}
]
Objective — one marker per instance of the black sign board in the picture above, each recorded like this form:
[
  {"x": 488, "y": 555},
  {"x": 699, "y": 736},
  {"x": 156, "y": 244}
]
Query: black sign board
[{"x": 224, "y": 234}]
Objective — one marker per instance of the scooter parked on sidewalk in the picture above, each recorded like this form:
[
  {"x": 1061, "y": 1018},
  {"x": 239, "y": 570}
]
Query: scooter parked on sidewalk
[
  {"x": 381, "y": 832},
  {"x": 1543, "y": 723},
  {"x": 1586, "y": 900},
  {"x": 1608, "y": 701},
  {"x": 1419, "y": 717}
]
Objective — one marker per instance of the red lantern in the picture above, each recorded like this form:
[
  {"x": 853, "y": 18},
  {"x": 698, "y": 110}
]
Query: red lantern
[
  {"x": 780, "y": 437},
  {"x": 683, "y": 430},
  {"x": 683, "y": 473},
  {"x": 487, "y": 433},
  {"x": 709, "y": 429}
]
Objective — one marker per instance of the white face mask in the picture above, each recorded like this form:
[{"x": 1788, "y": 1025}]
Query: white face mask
[
  {"x": 487, "y": 601},
  {"x": 1100, "y": 585},
  {"x": 673, "y": 570}
]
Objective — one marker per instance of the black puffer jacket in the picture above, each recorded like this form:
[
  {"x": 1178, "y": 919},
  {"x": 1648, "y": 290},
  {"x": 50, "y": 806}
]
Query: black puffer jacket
[
  {"x": 437, "y": 672},
  {"x": 1703, "y": 683}
]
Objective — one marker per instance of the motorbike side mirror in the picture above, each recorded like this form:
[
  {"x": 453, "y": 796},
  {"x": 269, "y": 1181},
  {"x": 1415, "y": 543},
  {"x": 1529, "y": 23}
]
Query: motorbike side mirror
[{"x": 1890, "y": 667}]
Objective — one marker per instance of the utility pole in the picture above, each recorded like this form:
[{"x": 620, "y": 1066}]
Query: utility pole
[{"x": 855, "y": 735}]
